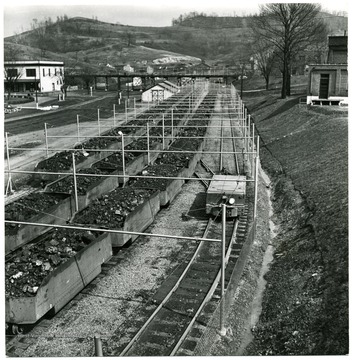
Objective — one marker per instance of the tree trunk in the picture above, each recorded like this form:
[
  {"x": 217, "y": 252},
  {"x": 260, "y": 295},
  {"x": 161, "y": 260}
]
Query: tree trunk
[
  {"x": 288, "y": 82},
  {"x": 267, "y": 79},
  {"x": 284, "y": 81}
]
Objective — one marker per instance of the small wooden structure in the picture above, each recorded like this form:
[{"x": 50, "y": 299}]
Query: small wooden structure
[
  {"x": 160, "y": 92},
  {"x": 226, "y": 189},
  {"x": 328, "y": 83}
]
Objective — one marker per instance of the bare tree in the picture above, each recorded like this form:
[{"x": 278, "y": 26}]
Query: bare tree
[
  {"x": 41, "y": 38},
  {"x": 264, "y": 56},
  {"x": 289, "y": 28}
]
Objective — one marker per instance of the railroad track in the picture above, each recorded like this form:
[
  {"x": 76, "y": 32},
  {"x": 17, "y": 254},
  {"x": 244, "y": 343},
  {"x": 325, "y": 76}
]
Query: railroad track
[{"x": 167, "y": 331}]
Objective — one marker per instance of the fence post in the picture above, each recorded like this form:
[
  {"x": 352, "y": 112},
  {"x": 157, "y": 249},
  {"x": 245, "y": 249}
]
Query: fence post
[
  {"x": 172, "y": 133},
  {"x": 222, "y": 329},
  {"x": 78, "y": 127},
  {"x": 163, "y": 140},
  {"x": 253, "y": 150},
  {"x": 98, "y": 346},
  {"x": 135, "y": 108},
  {"x": 221, "y": 145},
  {"x": 249, "y": 135},
  {"x": 123, "y": 154},
  {"x": 9, "y": 181},
  {"x": 114, "y": 113},
  {"x": 256, "y": 182},
  {"x": 46, "y": 139},
  {"x": 99, "y": 125},
  {"x": 126, "y": 111},
  {"x": 75, "y": 181},
  {"x": 148, "y": 142}
]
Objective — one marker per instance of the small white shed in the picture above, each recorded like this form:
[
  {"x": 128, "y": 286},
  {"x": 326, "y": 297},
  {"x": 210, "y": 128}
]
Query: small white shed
[{"x": 159, "y": 92}]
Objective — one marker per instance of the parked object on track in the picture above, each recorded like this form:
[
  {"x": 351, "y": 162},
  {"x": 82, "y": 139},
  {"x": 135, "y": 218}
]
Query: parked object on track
[{"x": 229, "y": 190}]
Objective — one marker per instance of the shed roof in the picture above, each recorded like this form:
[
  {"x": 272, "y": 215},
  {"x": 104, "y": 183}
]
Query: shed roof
[
  {"x": 337, "y": 41},
  {"x": 164, "y": 84}
]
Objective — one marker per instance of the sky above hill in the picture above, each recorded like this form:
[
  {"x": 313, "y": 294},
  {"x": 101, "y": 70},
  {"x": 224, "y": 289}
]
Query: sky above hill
[{"x": 18, "y": 15}]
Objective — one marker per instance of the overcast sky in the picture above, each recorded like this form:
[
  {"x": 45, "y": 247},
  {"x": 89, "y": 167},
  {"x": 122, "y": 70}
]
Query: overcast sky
[{"x": 18, "y": 15}]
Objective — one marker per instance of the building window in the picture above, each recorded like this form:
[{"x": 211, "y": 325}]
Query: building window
[
  {"x": 31, "y": 73},
  {"x": 11, "y": 73},
  {"x": 43, "y": 72},
  {"x": 61, "y": 72},
  {"x": 55, "y": 71},
  {"x": 49, "y": 71}
]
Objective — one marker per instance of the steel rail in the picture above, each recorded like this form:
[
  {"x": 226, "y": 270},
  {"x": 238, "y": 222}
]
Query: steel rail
[
  {"x": 203, "y": 163},
  {"x": 209, "y": 293},
  {"x": 167, "y": 297}
]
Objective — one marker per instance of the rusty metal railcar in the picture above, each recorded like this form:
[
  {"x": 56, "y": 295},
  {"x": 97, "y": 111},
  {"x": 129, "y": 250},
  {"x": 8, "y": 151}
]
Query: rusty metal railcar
[{"x": 229, "y": 190}]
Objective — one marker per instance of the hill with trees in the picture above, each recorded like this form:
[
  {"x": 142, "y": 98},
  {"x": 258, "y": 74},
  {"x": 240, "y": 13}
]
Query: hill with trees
[{"x": 96, "y": 43}]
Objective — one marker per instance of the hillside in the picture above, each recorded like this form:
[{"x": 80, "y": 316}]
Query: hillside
[
  {"x": 305, "y": 152},
  {"x": 98, "y": 43}
]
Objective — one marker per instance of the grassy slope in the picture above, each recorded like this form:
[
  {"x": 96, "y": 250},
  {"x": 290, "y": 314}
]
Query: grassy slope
[{"x": 305, "y": 152}]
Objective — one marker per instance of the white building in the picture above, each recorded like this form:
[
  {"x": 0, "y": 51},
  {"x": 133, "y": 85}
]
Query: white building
[
  {"x": 128, "y": 68},
  {"x": 160, "y": 92},
  {"x": 30, "y": 76}
]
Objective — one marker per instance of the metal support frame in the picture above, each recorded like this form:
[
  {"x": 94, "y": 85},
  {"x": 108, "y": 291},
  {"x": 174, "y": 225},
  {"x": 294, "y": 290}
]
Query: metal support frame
[
  {"x": 98, "y": 346},
  {"x": 163, "y": 138},
  {"x": 75, "y": 181},
  {"x": 125, "y": 111},
  {"x": 78, "y": 127},
  {"x": 148, "y": 143},
  {"x": 99, "y": 125},
  {"x": 123, "y": 154},
  {"x": 223, "y": 265},
  {"x": 46, "y": 139},
  {"x": 9, "y": 180}
]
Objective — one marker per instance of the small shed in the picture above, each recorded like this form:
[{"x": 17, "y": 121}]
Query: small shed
[
  {"x": 159, "y": 92},
  {"x": 328, "y": 83}
]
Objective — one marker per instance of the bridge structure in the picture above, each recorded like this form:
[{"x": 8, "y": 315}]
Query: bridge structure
[{"x": 151, "y": 79}]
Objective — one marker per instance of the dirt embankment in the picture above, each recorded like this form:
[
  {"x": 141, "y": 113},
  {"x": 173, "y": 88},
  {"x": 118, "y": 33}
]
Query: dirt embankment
[{"x": 305, "y": 151}]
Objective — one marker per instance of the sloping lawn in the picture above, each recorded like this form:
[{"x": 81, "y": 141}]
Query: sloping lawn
[{"x": 305, "y": 151}]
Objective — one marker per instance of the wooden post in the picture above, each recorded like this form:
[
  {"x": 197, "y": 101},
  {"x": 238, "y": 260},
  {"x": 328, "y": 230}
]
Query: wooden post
[
  {"x": 114, "y": 113},
  {"x": 78, "y": 127}
]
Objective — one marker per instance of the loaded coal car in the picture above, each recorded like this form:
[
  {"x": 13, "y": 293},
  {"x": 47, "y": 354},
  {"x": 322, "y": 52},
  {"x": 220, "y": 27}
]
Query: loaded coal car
[
  {"x": 43, "y": 276},
  {"x": 229, "y": 190}
]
